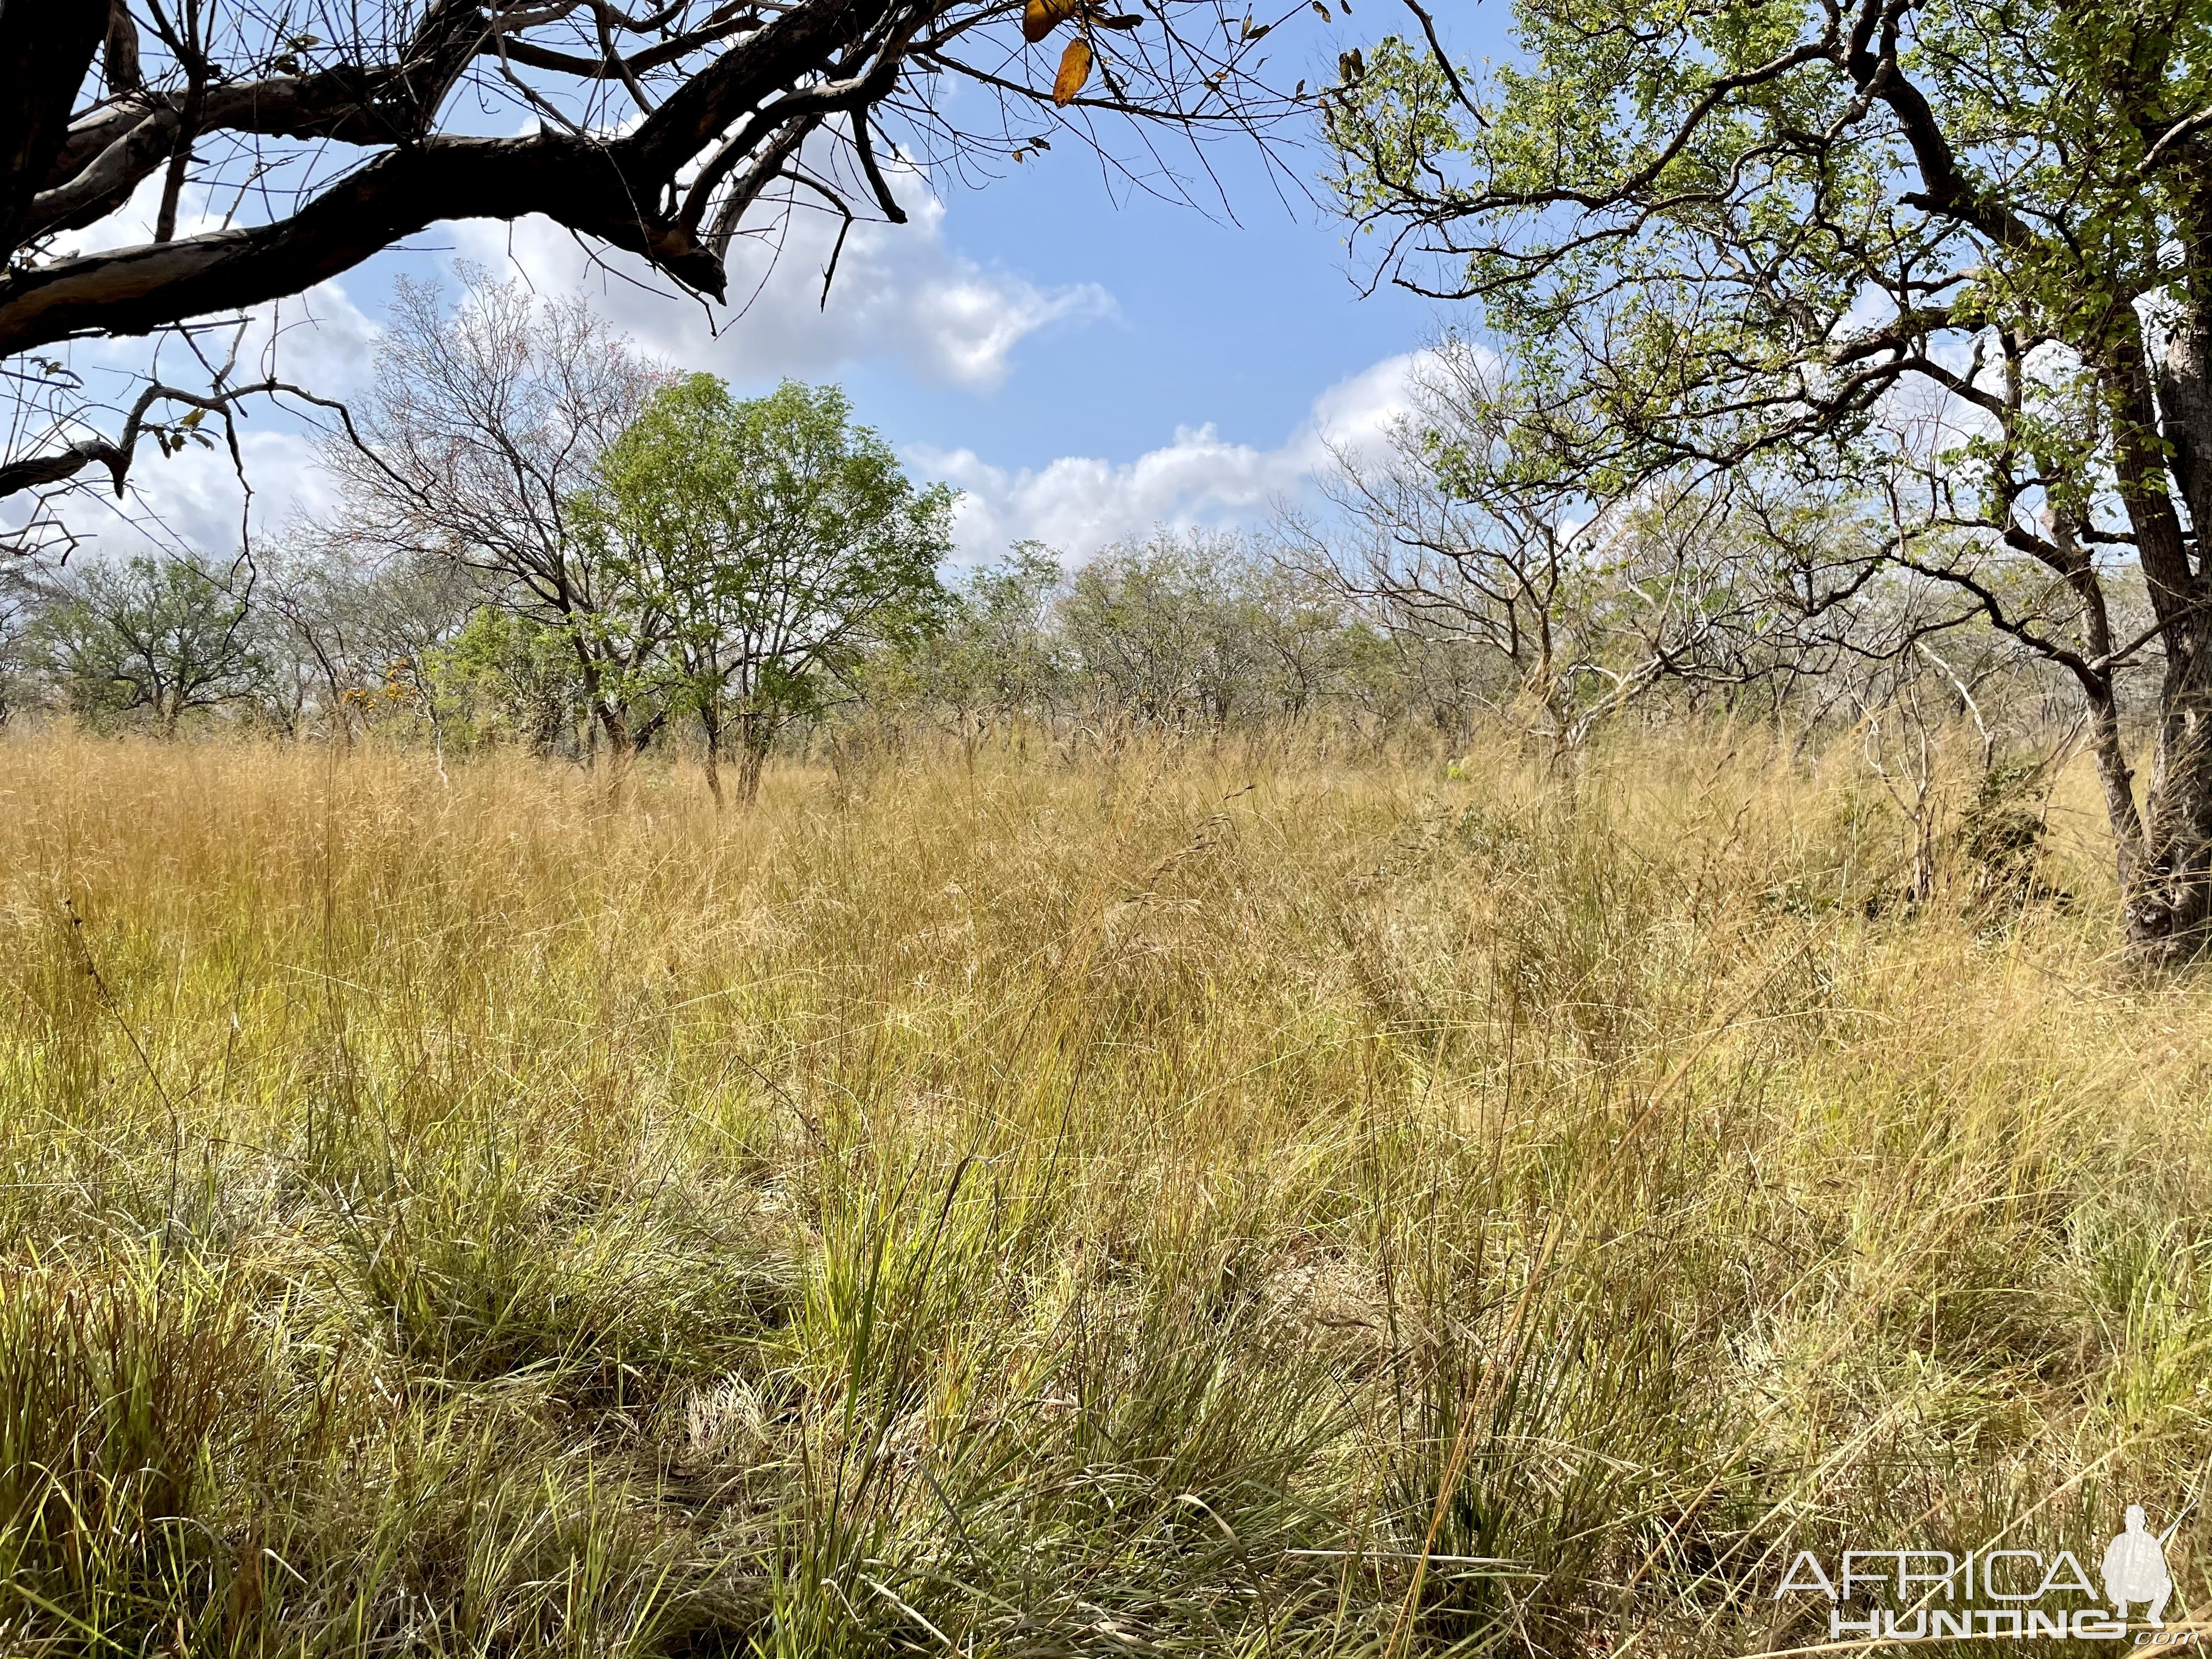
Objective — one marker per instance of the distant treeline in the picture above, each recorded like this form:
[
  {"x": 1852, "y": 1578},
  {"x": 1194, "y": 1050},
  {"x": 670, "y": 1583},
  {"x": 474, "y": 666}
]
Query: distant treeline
[
  {"x": 1187, "y": 633},
  {"x": 544, "y": 539}
]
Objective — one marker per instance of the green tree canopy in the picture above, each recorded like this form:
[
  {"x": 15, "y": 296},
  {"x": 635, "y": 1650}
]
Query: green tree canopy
[
  {"x": 161, "y": 637},
  {"x": 775, "y": 539},
  {"x": 1955, "y": 255}
]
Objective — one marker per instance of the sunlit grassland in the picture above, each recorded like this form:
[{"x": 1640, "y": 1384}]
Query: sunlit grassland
[{"x": 1139, "y": 1203}]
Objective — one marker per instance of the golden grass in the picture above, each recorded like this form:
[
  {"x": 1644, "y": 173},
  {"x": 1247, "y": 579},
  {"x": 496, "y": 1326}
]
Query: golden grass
[{"x": 1135, "y": 1206}]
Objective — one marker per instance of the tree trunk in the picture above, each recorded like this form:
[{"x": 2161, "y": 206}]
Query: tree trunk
[
  {"x": 2185, "y": 400},
  {"x": 2169, "y": 901},
  {"x": 710, "y": 724},
  {"x": 620, "y": 748},
  {"x": 608, "y": 717},
  {"x": 2107, "y": 744},
  {"x": 754, "y": 735},
  {"x": 46, "y": 47},
  {"x": 2116, "y": 779}
]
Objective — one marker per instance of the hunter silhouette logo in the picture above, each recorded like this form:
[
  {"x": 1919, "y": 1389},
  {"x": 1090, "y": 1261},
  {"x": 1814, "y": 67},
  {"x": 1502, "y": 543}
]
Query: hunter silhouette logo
[
  {"x": 2004, "y": 1591},
  {"x": 2135, "y": 1571}
]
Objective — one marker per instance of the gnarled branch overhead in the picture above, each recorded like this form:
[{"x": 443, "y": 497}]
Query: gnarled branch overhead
[
  {"x": 289, "y": 140},
  {"x": 45, "y": 49},
  {"x": 629, "y": 108}
]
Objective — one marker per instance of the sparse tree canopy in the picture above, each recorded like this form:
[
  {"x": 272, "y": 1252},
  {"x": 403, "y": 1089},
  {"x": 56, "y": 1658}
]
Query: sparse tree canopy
[
  {"x": 1468, "y": 528},
  {"x": 482, "y": 431},
  {"x": 159, "y": 637},
  {"x": 1956, "y": 253}
]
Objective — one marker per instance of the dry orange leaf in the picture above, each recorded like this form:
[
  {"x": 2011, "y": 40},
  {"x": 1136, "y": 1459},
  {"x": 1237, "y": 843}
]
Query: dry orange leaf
[
  {"x": 1041, "y": 17},
  {"x": 1074, "y": 70}
]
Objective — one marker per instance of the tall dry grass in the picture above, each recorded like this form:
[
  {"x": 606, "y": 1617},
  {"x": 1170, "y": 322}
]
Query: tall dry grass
[{"x": 1196, "y": 1203}]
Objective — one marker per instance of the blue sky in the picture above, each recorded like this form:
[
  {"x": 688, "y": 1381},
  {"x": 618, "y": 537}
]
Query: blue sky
[
  {"x": 1240, "y": 324},
  {"x": 1085, "y": 364}
]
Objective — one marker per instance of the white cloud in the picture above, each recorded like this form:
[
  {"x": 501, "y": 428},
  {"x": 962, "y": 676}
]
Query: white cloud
[
  {"x": 319, "y": 340},
  {"x": 900, "y": 292},
  {"x": 193, "y": 500},
  {"x": 1078, "y": 504}
]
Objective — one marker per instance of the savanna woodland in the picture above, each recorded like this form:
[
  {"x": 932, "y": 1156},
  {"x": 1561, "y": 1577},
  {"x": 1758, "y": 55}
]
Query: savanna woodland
[{"x": 610, "y": 1045}]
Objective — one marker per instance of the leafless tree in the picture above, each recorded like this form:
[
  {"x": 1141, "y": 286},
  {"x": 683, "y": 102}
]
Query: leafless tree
[
  {"x": 1470, "y": 530},
  {"x": 474, "y": 448},
  {"x": 346, "y": 626}
]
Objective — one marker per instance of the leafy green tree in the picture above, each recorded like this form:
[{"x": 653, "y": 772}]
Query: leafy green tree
[
  {"x": 773, "y": 540},
  {"x": 524, "y": 670},
  {"x": 160, "y": 636},
  {"x": 672, "y": 132},
  {"x": 994, "y": 657},
  {"x": 1956, "y": 253},
  {"x": 1164, "y": 631},
  {"x": 1200, "y": 628}
]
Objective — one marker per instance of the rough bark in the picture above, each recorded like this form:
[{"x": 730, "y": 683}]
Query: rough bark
[
  {"x": 2185, "y": 398},
  {"x": 617, "y": 190},
  {"x": 581, "y": 184},
  {"x": 710, "y": 726},
  {"x": 2107, "y": 744},
  {"x": 659, "y": 129},
  {"x": 754, "y": 736},
  {"x": 46, "y": 48},
  {"x": 2169, "y": 901}
]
